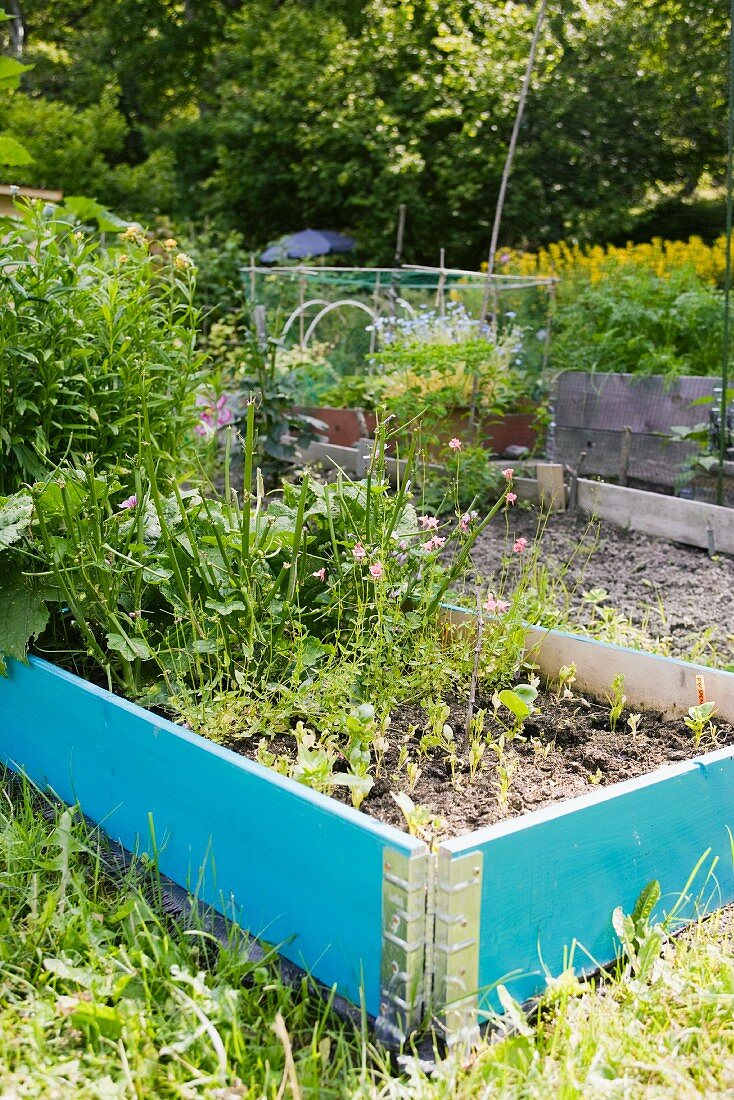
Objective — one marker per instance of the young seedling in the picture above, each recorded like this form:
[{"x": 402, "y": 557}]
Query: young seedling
[
  {"x": 505, "y": 774},
  {"x": 566, "y": 677},
  {"x": 418, "y": 818},
  {"x": 699, "y": 722},
  {"x": 616, "y": 701},
  {"x": 633, "y": 723},
  {"x": 519, "y": 701}
]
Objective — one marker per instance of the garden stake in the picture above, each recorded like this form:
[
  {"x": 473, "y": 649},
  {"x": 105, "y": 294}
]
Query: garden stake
[{"x": 727, "y": 272}]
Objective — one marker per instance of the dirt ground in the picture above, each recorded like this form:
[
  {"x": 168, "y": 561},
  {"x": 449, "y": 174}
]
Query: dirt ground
[{"x": 674, "y": 593}]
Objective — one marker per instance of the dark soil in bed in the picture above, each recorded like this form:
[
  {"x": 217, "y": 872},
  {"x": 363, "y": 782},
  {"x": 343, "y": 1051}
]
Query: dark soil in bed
[{"x": 569, "y": 750}]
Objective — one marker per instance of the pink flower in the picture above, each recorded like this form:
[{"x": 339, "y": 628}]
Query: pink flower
[
  {"x": 358, "y": 552},
  {"x": 376, "y": 570},
  {"x": 511, "y": 498},
  {"x": 434, "y": 544},
  {"x": 508, "y": 473},
  {"x": 428, "y": 523},
  {"x": 131, "y": 502},
  {"x": 498, "y": 606},
  {"x": 520, "y": 546},
  {"x": 455, "y": 444},
  {"x": 320, "y": 573}
]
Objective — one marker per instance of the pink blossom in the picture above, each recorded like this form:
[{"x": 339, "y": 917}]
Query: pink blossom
[
  {"x": 376, "y": 570},
  {"x": 428, "y": 523},
  {"x": 498, "y": 606},
  {"x": 358, "y": 552},
  {"x": 131, "y": 502},
  {"x": 508, "y": 473},
  {"x": 215, "y": 413},
  {"x": 434, "y": 544},
  {"x": 320, "y": 573},
  {"x": 403, "y": 544},
  {"x": 520, "y": 545},
  {"x": 511, "y": 498},
  {"x": 455, "y": 444}
]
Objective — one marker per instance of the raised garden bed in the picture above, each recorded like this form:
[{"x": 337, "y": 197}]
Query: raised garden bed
[{"x": 359, "y": 903}]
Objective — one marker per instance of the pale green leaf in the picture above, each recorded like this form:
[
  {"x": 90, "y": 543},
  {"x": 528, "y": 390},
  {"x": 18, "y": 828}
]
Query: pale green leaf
[{"x": 15, "y": 518}]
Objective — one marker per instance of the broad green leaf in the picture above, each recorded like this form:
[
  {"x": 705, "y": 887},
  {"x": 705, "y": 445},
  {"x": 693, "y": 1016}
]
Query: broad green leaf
[
  {"x": 11, "y": 72},
  {"x": 12, "y": 153},
  {"x": 15, "y": 518},
  {"x": 129, "y": 648},
  {"x": 89, "y": 210},
  {"x": 646, "y": 902},
  {"x": 23, "y": 613},
  {"x": 515, "y": 703}
]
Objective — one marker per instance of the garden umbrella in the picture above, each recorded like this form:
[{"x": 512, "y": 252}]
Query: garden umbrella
[{"x": 309, "y": 242}]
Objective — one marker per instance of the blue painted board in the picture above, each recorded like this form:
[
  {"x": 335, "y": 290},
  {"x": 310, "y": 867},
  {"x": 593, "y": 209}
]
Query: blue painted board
[
  {"x": 556, "y": 875},
  {"x": 297, "y": 868}
]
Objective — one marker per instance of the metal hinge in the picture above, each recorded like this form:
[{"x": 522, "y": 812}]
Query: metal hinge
[
  {"x": 457, "y": 895},
  {"x": 402, "y": 994}
]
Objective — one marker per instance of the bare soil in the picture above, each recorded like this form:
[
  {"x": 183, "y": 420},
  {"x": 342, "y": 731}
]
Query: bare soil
[
  {"x": 569, "y": 749},
  {"x": 676, "y": 596}
]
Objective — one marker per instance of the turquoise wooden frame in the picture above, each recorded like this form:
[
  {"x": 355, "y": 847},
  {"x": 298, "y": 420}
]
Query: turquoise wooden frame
[
  {"x": 291, "y": 866},
  {"x": 310, "y": 875}
]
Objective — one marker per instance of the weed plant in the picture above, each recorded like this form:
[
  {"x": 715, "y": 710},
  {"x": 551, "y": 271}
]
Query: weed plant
[{"x": 102, "y": 995}]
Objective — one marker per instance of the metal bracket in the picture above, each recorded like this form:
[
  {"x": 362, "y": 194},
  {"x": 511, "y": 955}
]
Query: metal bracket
[
  {"x": 404, "y": 891},
  {"x": 457, "y": 908}
]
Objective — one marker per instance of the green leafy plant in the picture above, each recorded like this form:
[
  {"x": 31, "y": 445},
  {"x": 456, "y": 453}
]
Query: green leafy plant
[
  {"x": 641, "y": 941},
  {"x": 97, "y": 350},
  {"x": 616, "y": 699},
  {"x": 699, "y": 722}
]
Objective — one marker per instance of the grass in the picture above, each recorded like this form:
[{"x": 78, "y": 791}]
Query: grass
[{"x": 101, "y": 995}]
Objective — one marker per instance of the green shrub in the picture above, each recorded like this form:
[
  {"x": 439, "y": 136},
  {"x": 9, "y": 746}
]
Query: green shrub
[
  {"x": 633, "y": 321},
  {"x": 92, "y": 343}
]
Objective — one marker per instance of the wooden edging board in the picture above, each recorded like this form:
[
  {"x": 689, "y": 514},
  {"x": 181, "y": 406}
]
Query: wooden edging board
[
  {"x": 308, "y": 874},
  {"x": 552, "y": 878},
  {"x": 689, "y": 521}
]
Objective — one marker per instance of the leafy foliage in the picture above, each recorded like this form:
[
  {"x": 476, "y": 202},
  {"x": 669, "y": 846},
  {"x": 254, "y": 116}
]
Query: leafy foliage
[
  {"x": 344, "y": 110},
  {"x": 97, "y": 349}
]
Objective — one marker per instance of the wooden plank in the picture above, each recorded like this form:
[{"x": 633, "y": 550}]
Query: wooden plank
[
  {"x": 526, "y": 488},
  {"x": 552, "y": 878},
  {"x": 648, "y": 404},
  {"x": 672, "y": 518},
  {"x": 651, "y": 682},
  {"x": 551, "y": 487},
  {"x": 295, "y": 867}
]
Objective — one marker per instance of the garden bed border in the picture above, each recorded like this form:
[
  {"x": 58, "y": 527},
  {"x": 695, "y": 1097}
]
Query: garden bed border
[{"x": 360, "y": 904}]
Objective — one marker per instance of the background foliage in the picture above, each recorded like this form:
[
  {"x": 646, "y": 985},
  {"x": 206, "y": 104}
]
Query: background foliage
[{"x": 346, "y": 108}]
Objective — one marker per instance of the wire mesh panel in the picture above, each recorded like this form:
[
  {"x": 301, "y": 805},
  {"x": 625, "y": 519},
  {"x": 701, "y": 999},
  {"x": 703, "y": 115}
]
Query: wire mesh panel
[{"x": 619, "y": 426}]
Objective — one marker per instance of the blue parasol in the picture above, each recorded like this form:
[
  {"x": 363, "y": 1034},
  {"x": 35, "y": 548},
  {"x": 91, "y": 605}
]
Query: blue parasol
[{"x": 309, "y": 242}]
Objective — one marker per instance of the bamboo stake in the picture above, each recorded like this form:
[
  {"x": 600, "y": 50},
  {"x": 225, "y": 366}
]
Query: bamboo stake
[
  {"x": 508, "y": 166},
  {"x": 727, "y": 273}
]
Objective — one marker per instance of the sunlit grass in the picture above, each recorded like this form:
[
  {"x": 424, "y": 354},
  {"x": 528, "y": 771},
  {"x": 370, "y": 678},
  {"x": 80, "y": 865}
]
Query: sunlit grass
[{"x": 102, "y": 996}]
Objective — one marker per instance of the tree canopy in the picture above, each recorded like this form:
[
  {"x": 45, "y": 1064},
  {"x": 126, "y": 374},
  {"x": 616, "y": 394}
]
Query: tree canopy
[{"x": 270, "y": 115}]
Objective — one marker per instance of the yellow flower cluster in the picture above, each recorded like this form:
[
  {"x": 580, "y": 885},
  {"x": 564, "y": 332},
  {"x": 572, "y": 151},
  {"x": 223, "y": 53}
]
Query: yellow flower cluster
[{"x": 597, "y": 261}]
